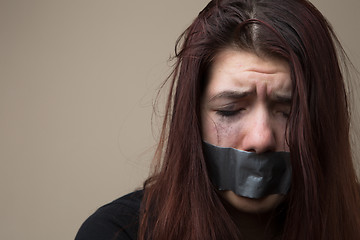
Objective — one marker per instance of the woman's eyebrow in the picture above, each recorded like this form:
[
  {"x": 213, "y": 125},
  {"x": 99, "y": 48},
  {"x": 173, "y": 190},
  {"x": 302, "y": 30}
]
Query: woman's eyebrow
[
  {"x": 279, "y": 98},
  {"x": 231, "y": 95}
]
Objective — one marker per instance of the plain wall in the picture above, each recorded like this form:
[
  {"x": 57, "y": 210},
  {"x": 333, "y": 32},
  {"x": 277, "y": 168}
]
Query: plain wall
[{"x": 77, "y": 83}]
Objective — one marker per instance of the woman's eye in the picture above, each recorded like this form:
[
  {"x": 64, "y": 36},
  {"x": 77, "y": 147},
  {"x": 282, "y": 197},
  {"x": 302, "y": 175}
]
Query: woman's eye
[
  {"x": 227, "y": 113},
  {"x": 284, "y": 114}
]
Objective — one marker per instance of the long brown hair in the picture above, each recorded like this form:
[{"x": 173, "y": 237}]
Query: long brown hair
[{"x": 323, "y": 203}]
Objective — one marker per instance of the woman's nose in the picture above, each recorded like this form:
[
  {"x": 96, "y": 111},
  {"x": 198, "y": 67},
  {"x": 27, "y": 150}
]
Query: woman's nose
[{"x": 260, "y": 135}]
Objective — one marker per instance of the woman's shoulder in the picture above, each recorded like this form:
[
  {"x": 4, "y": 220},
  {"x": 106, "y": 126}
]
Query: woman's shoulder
[{"x": 117, "y": 220}]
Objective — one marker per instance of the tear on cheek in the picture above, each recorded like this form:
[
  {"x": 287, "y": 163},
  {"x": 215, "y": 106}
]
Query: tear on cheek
[
  {"x": 220, "y": 132},
  {"x": 224, "y": 131}
]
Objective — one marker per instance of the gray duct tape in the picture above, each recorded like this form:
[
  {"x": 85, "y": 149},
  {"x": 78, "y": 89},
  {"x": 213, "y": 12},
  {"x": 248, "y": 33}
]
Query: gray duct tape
[{"x": 248, "y": 174}]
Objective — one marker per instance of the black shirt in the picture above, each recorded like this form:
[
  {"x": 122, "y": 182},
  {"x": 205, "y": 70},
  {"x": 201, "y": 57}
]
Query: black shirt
[{"x": 118, "y": 220}]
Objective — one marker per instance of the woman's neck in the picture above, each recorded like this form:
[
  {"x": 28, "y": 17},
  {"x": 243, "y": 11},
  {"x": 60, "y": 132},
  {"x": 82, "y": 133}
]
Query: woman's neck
[{"x": 257, "y": 225}]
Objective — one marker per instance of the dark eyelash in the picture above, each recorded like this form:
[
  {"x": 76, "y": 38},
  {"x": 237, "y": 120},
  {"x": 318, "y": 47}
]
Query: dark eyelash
[
  {"x": 285, "y": 114},
  {"x": 226, "y": 113}
]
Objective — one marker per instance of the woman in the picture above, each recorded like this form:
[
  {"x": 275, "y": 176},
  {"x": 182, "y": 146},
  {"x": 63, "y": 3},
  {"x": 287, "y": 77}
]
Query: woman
[{"x": 261, "y": 76}]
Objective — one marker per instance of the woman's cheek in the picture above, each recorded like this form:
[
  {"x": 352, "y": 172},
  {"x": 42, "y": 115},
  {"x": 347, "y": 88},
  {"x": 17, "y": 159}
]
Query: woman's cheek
[{"x": 225, "y": 133}]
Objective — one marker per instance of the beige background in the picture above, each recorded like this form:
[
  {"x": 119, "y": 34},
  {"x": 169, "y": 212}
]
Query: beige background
[{"x": 77, "y": 82}]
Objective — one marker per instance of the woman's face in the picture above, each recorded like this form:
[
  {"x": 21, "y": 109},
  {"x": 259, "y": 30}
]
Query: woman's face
[{"x": 245, "y": 106}]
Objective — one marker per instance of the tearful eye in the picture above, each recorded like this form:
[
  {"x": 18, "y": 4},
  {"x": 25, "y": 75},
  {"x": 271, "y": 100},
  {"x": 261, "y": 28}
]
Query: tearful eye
[{"x": 228, "y": 113}]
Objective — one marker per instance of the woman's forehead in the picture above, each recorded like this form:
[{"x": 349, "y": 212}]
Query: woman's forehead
[{"x": 241, "y": 71}]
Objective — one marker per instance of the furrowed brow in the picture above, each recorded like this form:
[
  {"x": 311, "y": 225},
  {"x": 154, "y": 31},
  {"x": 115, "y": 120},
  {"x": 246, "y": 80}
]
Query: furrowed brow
[{"x": 231, "y": 95}]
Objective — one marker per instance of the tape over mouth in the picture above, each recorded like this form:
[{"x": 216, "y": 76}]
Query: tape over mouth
[{"x": 248, "y": 174}]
